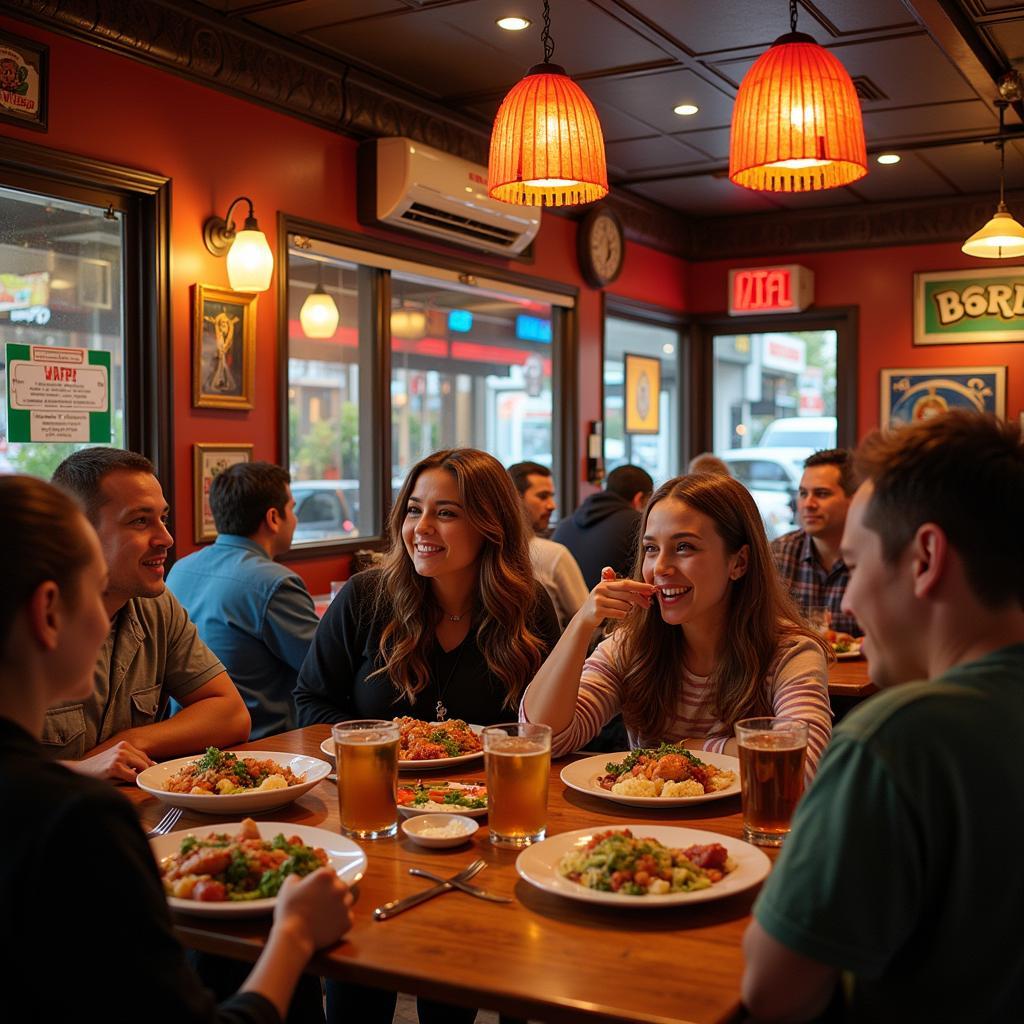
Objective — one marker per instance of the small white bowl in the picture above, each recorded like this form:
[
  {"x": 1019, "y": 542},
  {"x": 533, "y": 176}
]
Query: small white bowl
[{"x": 415, "y": 828}]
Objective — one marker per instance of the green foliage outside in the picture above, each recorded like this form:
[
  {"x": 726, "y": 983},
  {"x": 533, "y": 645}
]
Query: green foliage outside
[{"x": 329, "y": 449}]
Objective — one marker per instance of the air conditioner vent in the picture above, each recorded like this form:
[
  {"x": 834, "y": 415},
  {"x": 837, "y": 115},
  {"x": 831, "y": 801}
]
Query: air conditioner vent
[{"x": 464, "y": 226}]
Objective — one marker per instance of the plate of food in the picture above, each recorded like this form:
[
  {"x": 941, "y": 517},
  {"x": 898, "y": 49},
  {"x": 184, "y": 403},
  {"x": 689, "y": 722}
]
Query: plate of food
[
  {"x": 642, "y": 866},
  {"x": 467, "y": 798},
  {"x": 666, "y": 776},
  {"x": 424, "y": 746},
  {"x": 233, "y": 781},
  {"x": 843, "y": 645},
  {"x": 236, "y": 870}
]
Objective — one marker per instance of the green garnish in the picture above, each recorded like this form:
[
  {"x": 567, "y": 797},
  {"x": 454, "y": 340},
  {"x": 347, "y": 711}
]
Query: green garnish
[
  {"x": 210, "y": 761},
  {"x": 618, "y": 768}
]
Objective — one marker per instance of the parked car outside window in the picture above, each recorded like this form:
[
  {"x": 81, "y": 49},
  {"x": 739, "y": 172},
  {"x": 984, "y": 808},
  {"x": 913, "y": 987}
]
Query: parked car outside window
[
  {"x": 325, "y": 509},
  {"x": 772, "y": 475},
  {"x": 813, "y": 432}
]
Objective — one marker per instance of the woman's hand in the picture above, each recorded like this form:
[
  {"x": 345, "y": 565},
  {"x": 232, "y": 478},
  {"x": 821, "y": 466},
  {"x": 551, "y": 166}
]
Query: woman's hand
[
  {"x": 614, "y": 598},
  {"x": 121, "y": 762},
  {"x": 314, "y": 909}
]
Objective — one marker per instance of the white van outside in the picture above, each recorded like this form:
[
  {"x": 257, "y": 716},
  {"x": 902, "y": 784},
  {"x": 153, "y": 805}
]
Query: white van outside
[{"x": 814, "y": 432}]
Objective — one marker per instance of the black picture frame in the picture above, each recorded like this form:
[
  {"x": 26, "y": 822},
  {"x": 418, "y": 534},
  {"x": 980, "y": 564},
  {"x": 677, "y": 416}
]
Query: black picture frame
[{"x": 21, "y": 60}]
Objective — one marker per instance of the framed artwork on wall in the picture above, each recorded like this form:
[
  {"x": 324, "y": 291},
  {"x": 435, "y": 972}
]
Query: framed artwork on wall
[
  {"x": 919, "y": 392},
  {"x": 207, "y": 461},
  {"x": 223, "y": 348},
  {"x": 23, "y": 81},
  {"x": 643, "y": 394},
  {"x": 957, "y": 307}
]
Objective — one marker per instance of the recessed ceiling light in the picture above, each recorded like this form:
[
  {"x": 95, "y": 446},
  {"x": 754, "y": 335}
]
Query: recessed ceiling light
[
  {"x": 685, "y": 109},
  {"x": 513, "y": 24},
  {"x": 889, "y": 158}
]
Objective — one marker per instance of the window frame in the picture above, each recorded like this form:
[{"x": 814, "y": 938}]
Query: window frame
[{"x": 375, "y": 319}]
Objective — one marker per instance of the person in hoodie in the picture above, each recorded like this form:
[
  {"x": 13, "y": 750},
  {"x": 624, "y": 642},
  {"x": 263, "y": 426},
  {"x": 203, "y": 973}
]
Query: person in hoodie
[{"x": 603, "y": 530}]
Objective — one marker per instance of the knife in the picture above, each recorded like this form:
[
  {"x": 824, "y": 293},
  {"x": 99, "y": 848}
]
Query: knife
[
  {"x": 382, "y": 913},
  {"x": 455, "y": 883}
]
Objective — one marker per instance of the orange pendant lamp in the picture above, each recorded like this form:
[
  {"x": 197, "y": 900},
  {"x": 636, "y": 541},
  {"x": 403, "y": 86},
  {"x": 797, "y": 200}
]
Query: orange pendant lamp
[
  {"x": 547, "y": 148},
  {"x": 797, "y": 124}
]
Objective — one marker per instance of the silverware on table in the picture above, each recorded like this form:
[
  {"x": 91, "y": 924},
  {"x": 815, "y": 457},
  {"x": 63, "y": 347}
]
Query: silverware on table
[
  {"x": 382, "y": 913},
  {"x": 166, "y": 823},
  {"x": 472, "y": 890}
]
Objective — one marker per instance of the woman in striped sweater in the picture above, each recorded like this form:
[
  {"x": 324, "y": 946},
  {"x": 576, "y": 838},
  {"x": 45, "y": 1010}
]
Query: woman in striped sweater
[{"x": 701, "y": 636}]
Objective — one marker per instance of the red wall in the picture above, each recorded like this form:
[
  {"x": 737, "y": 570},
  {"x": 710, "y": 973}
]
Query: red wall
[
  {"x": 214, "y": 148},
  {"x": 880, "y": 282}
]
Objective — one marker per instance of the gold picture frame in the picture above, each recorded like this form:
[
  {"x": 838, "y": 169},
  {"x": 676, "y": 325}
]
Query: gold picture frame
[
  {"x": 207, "y": 461},
  {"x": 223, "y": 348},
  {"x": 643, "y": 394}
]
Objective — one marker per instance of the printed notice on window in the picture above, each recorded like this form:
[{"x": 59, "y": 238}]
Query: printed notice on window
[{"x": 58, "y": 394}]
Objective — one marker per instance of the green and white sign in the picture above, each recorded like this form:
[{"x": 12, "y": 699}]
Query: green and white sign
[
  {"x": 58, "y": 394},
  {"x": 956, "y": 307}
]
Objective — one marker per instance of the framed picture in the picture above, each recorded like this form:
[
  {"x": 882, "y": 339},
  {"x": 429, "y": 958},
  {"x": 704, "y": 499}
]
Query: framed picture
[
  {"x": 23, "y": 80},
  {"x": 957, "y": 307},
  {"x": 207, "y": 461},
  {"x": 643, "y": 393},
  {"x": 223, "y": 348},
  {"x": 917, "y": 393}
]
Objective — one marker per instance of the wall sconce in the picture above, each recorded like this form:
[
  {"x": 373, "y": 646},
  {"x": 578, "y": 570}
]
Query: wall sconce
[
  {"x": 250, "y": 261},
  {"x": 319, "y": 313}
]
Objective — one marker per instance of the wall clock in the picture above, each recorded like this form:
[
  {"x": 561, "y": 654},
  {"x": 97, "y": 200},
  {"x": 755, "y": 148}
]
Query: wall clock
[{"x": 600, "y": 246}]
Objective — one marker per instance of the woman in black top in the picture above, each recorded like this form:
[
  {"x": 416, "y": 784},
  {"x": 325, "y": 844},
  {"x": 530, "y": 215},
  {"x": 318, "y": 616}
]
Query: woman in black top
[{"x": 86, "y": 927}]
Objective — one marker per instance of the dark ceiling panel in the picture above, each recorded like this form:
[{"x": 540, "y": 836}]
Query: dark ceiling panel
[
  {"x": 292, "y": 19},
  {"x": 705, "y": 196},
  {"x": 910, "y": 177},
  {"x": 975, "y": 168},
  {"x": 811, "y": 200},
  {"x": 1009, "y": 37},
  {"x": 924, "y": 122},
  {"x": 658, "y": 151},
  {"x": 713, "y": 141},
  {"x": 861, "y": 15}
]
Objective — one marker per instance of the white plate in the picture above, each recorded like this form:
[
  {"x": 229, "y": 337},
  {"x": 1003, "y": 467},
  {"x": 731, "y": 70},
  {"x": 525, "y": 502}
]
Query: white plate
[
  {"x": 411, "y": 810},
  {"x": 583, "y": 776},
  {"x": 345, "y": 856},
  {"x": 154, "y": 781},
  {"x": 413, "y": 827},
  {"x": 418, "y": 766},
  {"x": 538, "y": 865},
  {"x": 853, "y": 652}
]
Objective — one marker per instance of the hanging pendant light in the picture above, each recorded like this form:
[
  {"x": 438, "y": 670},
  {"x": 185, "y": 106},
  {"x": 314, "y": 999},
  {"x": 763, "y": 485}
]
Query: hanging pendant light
[
  {"x": 547, "y": 148},
  {"x": 1002, "y": 238},
  {"x": 797, "y": 123},
  {"x": 319, "y": 313}
]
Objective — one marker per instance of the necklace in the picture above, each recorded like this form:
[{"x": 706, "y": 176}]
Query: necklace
[
  {"x": 439, "y": 708},
  {"x": 454, "y": 618}
]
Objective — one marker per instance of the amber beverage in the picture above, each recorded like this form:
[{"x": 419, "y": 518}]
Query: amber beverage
[
  {"x": 772, "y": 753},
  {"x": 518, "y": 759},
  {"x": 367, "y": 759}
]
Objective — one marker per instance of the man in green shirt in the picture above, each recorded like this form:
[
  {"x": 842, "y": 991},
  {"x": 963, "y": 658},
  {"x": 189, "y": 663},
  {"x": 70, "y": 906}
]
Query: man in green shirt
[{"x": 902, "y": 872}]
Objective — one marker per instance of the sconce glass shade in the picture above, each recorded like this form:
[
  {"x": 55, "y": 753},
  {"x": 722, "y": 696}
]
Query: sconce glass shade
[
  {"x": 319, "y": 315},
  {"x": 547, "y": 147},
  {"x": 797, "y": 124},
  {"x": 1002, "y": 238},
  {"x": 250, "y": 261},
  {"x": 408, "y": 324}
]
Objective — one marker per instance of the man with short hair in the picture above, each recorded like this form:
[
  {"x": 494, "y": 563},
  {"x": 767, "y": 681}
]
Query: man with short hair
[
  {"x": 553, "y": 563},
  {"x": 603, "y": 530},
  {"x": 153, "y": 652},
  {"x": 899, "y": 868},
  {"x": 809, "y": 559},
  {"x": 256, "y": 615}
]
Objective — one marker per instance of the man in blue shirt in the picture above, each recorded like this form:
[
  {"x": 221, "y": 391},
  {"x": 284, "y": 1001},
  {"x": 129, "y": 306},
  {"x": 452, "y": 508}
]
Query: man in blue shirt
[{"x": 254, "y": 614}]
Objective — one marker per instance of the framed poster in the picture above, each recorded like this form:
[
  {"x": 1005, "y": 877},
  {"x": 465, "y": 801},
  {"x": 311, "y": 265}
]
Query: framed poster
[
  {"x": 223, "y": 348},
  {"x": 207, "y": 461},
  {"x": 643, "y": 393},
  {"x": 957, "y": 307},
  {"x": 23, "y": 80},
  {"x": 917, "y": 393}
]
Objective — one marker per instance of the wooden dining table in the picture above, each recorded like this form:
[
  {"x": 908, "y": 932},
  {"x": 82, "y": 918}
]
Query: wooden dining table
[{"x": 542, "y": 956}]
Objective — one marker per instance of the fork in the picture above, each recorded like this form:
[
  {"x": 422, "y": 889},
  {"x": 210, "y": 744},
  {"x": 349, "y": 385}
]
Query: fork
[
  {"x": 166, "y": 823},
  {"x": 397, "y": 906}
]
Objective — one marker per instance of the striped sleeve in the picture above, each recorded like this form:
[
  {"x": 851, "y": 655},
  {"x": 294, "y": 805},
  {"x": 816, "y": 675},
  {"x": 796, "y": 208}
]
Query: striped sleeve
[{"x": 799, "y": 686}]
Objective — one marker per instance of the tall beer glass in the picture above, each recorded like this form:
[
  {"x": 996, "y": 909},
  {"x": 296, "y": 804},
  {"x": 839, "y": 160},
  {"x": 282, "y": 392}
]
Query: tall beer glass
[
  {"x": 772, "y": 752},
  {"x": 366, "y": 752},
  {"x": 518, "y": 759}
]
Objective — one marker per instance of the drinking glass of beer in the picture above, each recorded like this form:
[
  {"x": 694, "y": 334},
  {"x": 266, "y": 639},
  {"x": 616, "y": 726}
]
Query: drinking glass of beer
[
  {"x": 366, "y": 753},
  {"x": 518, "y": 758},
  {"x": 772, "y": 752}
]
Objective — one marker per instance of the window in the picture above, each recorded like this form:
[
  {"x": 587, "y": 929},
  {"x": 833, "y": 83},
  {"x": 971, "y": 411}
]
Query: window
[{"x": 471, "y": 362}]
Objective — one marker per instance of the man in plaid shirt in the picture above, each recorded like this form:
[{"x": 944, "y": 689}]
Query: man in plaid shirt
[{"x": 808, "y": 559}]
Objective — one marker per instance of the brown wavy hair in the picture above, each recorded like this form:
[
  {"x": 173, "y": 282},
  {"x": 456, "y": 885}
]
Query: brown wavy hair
[
  {"x": 506, "y": 590},
  {"x": 759, "y": 616}
]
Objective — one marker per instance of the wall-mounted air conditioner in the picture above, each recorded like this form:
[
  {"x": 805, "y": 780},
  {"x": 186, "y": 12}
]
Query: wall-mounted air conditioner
[{"x": 407, "y": 185}]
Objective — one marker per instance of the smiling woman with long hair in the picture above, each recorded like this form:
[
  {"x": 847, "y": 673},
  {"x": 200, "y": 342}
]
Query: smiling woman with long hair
[
  {"x": 453, "y": 623},
  {"x": 703, "y": 635}
]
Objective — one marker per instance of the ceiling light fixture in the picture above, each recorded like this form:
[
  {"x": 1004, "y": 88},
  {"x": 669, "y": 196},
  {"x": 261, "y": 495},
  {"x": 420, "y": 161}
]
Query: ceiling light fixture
[
  {"x": 686, "y": 109},
  {"x": 250, "y": 261},
  {"x": 888, "y": 158},
  {"x": 1002, "y": 238},
  {"x": 513, "y": 24},
  {"x": 319, "y": 314},
  {"x": 547, "y": 148},
  {"x": 797, "y": 123}
]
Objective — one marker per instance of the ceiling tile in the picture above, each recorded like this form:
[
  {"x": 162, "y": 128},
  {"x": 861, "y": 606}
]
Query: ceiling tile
[
  {"x": 974, "y": 169},
  {"x": 922, "y": 122},
  {"x": 811, "y": 200},
  {"x": 714, "y": 142},
  {"x": 862, "y": 16},
  {"x": 910, "y": 178},
  {"x": 705, "y": 196},
  {"x": 638, "y": 155},
  {"x": 291, "y": 19},
  {"x": 740, "y": 24},
  {"x": 1009, "y": 37}
]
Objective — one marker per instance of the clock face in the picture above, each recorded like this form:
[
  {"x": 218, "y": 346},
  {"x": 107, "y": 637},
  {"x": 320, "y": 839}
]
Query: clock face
[{"x": 602, "y": 248}]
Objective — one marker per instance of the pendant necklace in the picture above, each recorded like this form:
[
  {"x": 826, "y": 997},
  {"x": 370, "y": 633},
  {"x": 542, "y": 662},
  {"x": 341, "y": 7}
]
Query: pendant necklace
[{"x": 439, "y": 708}]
